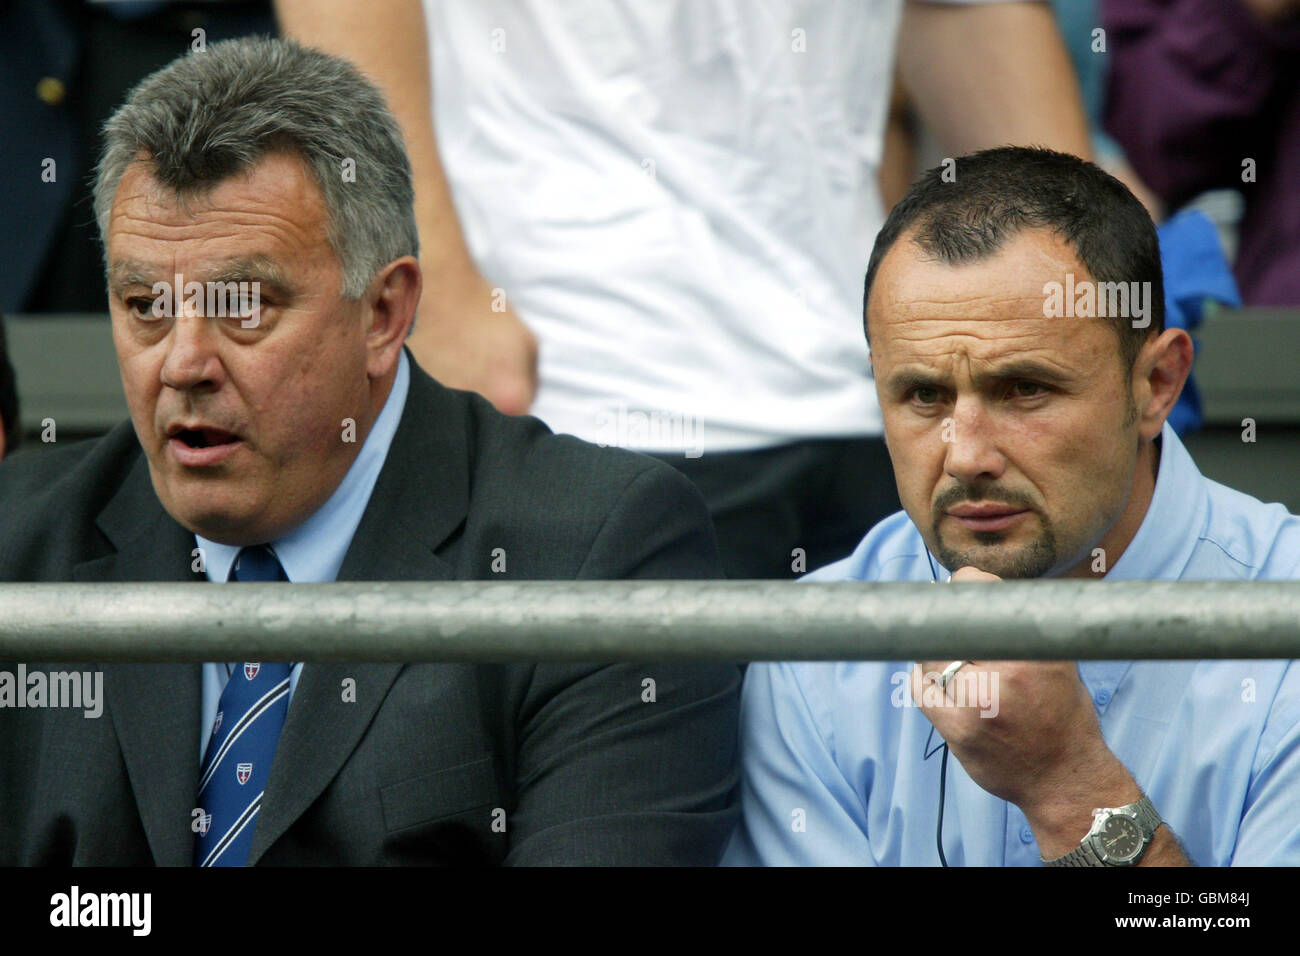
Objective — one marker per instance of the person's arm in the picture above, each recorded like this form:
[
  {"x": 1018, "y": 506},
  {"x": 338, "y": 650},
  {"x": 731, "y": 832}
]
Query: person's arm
[
  {"x": 458, "y": 338},
  {"x": 898, "y": 157},
  {"x": 1269, "y": 834},
  {"x": 1042, "y": 751},
  {"x": 630, "y": 764},
  {"x": 992, "y": 74},
  {"x": 1189, "y": 87},
  {"x": 797, "y": 807},
  {"x": 615, "y": 771}
]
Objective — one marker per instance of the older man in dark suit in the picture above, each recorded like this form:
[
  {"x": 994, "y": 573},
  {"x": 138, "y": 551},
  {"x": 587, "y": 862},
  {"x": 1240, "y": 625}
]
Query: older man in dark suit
[{"x": 256, "y": 205}]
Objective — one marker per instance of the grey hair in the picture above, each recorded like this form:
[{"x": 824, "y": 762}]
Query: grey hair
[{"x": 210, "y": 115}]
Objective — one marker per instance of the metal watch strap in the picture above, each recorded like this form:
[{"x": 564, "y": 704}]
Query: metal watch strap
[
  {"x": 1148, "y": 816},
  {"x": 1148, "y": 820},
  {"x": 1081, "y": 855}
]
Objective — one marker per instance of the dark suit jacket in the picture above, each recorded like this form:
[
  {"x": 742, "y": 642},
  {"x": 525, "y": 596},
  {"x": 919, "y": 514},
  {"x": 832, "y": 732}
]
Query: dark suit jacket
[{"x": 412, "y": 772}]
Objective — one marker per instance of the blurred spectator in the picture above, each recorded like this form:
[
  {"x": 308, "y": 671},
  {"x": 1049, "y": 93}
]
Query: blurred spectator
[
  {"x": 1079, "y": 21},
  {"x": 1206, "y": 94},
  {"x": 64, "y": 67},
  {"x": 11, "y": 432},
  {"x": 910, "y": 148},
  {"x": 1196, "y": 273},
  {"x": 1192, "y": 254},
  {"x": 680, "y": 198}
]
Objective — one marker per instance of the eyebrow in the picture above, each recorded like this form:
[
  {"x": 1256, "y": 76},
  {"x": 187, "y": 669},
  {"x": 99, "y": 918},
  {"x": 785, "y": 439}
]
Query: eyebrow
[
  {"x": 128, "y": 272},
  {"x": 255, "y": 269},
  {"x": 259, "y": 269},
  {"x": 906, "y": 379}
]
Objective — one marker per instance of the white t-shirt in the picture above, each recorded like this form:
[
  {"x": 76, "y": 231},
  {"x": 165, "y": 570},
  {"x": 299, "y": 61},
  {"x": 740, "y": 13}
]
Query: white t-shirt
[{"x": 679, "y": 197}]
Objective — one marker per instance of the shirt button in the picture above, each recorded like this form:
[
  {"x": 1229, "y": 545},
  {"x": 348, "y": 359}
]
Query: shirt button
[
  {"x": 50, "y": 90},
  {"x": 1102, "y": 697},
  {"x": 1026, "y": 834}
]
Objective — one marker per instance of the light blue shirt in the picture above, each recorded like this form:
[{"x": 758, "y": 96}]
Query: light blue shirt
[
  {"x": 314, "y": 551},
  {"x": 833, "y": 753}
]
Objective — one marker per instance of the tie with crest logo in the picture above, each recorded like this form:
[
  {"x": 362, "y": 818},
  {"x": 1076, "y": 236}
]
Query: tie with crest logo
[{"x": 247, "y": 727}]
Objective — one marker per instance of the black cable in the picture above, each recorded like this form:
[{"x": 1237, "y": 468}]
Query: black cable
[
  {"x": 943, "y": 762},
  {"x": 943, "y": 780}
]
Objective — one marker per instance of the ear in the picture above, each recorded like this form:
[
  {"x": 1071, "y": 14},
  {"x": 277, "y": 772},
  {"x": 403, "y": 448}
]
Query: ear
[
  {"x": 390, "y": 303},
  {"x": 1161, "y": 368}
]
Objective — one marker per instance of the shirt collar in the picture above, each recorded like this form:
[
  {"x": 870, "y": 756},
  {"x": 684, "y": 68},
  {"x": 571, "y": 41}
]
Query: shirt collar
[
  {"x": 314, "y": 551},
  {"x": 1172, "y": 525}
]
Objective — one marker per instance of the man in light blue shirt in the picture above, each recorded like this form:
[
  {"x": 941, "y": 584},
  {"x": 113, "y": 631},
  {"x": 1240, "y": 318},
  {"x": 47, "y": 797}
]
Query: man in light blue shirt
[{"x": 1028, "y": 436}]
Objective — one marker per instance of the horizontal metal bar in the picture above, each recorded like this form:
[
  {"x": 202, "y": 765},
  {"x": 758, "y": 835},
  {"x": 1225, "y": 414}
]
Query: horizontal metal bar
[{"x": 649, "y": 620}]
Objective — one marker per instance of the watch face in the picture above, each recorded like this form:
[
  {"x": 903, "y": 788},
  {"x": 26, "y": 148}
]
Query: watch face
[{"x": 1120, "y": 838}]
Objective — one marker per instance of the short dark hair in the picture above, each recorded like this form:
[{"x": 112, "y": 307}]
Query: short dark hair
[
  {"x": 963, "y": 210},
  {"x": 8, "y": 396}
]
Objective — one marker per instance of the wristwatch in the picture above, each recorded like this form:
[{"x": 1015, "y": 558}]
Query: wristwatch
[{"x": 1119, "y": 836}]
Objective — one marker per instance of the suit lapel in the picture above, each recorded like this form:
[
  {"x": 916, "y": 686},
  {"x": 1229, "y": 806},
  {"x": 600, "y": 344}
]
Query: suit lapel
[
  {"x": 154, "y": 707},
  {"x": 422, "y": 494},
  {"x": 419, "y": 500}
]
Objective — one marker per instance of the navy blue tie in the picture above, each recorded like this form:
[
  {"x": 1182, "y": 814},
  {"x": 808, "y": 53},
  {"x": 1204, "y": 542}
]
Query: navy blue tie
[{"x": 247, "y": 728}]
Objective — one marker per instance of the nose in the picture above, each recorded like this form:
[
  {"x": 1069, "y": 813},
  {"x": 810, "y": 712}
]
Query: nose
[
  {"x": 192, "y": 360},
  {"x": 973, "y": 453}
]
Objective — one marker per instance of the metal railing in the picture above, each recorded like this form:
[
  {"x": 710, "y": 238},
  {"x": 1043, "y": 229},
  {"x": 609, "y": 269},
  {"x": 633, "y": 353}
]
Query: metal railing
[{"x": 650, "y": 620}]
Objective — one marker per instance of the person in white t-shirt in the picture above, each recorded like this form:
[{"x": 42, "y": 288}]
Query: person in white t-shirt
[{"x": 678, "y": 198}]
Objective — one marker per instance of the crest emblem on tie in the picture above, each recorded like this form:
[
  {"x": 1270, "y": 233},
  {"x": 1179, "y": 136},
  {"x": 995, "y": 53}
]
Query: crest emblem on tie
[
  {"x": 216, "y": 724},
  {"x": 205, "y": 823},
  {"x": 250, "y": 670},
  {"x": 242, "y": 772}
]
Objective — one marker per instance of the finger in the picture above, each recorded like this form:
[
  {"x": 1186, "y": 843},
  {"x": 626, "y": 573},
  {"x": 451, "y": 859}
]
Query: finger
[
  {"x": 969, "y": 573},
  {"x": 917, "y": 683}
]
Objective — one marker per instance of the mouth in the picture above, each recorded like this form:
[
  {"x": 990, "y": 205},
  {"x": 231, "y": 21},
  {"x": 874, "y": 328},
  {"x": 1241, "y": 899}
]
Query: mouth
[
  {"x": 201, "y": 445},
  {"x": 987, "y": 517},
  {"x": 203, "y": 437}
]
